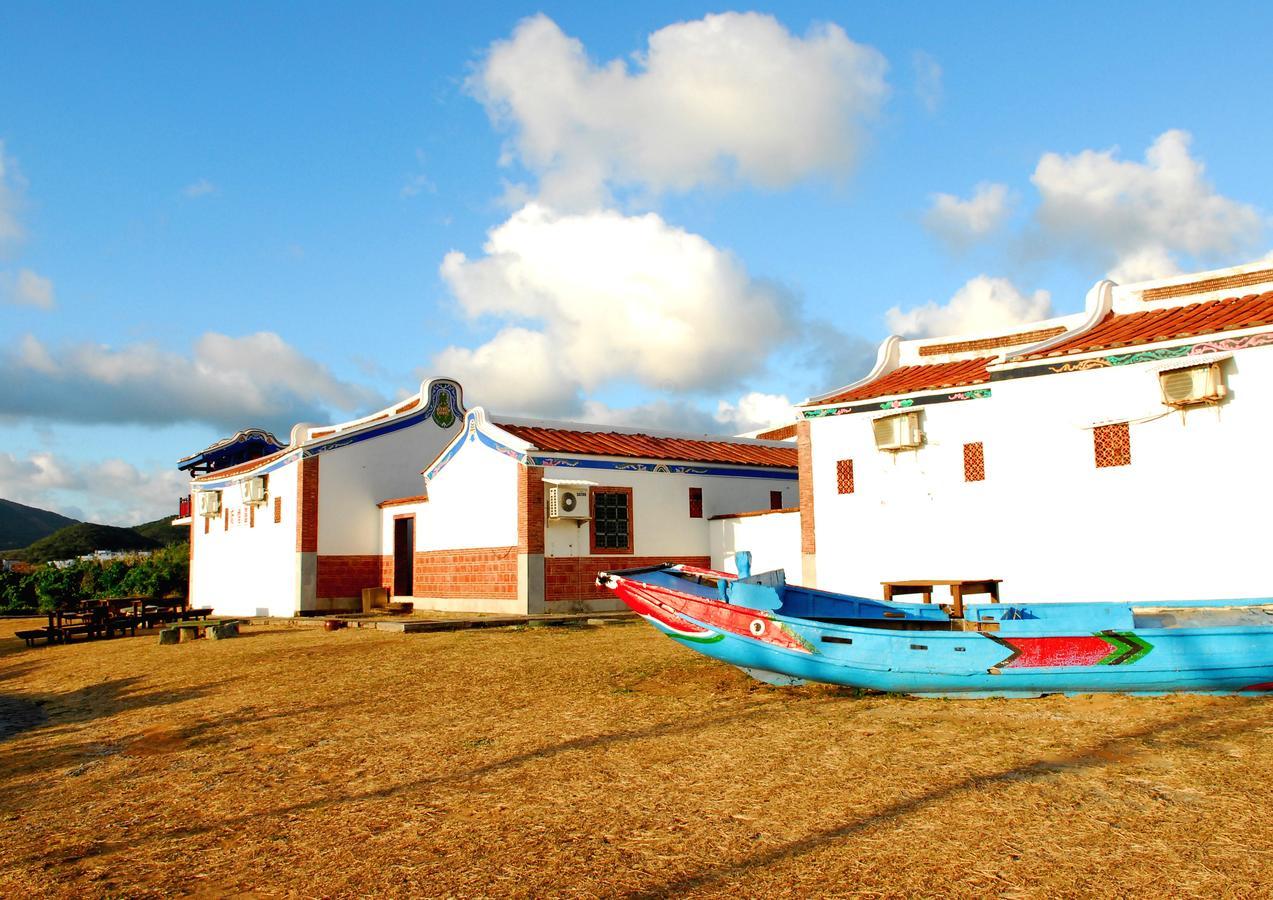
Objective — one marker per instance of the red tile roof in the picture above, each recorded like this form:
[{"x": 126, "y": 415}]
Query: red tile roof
[
  {"x": 781, "y": 433},
  {"x": 1152, "y": 325},
  {"x": 906, "y": 379},
  {"x": 559, "y": 439}
]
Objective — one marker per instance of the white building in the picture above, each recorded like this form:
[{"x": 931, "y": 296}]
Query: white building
[
  {"x": 1118, "y": 453},
  {"x": 297, "y": 531},
  {"x": 512, "y": 515},
  {"x": 519, "y": 515}
]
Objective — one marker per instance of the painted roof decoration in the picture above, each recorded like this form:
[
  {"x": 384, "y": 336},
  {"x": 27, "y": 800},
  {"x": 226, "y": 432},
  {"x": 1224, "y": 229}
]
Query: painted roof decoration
[
  {"x": 603, "y": 440},
  {"x": 240, "y": 447},
  {"x": 1153, "y": 325},
  {"x": 1116, "y": 317}
]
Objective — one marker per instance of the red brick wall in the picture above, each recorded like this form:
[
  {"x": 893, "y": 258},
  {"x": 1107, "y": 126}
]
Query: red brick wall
[
  {"x": 346, "y": 576},
  {"x": 307, "y": 507},
  {"x": 475, "y": 573},
  {"x": 530, "y": 509},
  {"x": 804, "y": 449},
  {"x": 386, "y": 573},
  {"x": 572, "y": 578}
]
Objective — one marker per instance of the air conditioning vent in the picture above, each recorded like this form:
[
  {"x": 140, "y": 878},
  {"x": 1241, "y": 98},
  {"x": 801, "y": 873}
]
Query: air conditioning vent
[
  {"x": 253, "y": 490},
  {"x": 209, "y": 503},
  {"x": 900, "y": 432},
  {"x": 1192, "y": 386},
  {"x": 567, "y": 502}
]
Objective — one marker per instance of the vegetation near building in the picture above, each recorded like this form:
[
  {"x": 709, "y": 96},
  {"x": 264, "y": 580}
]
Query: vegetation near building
[
  {"x": 47, "y": 587},
  {"x": 85, "y": 537}
]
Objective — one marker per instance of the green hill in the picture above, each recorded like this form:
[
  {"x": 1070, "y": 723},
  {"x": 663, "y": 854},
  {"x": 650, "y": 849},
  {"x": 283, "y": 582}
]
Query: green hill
[
  {"x": 22, "y": 525},
  {"x": 85, "y": 537},
  {"x": 162, "y": 531}
]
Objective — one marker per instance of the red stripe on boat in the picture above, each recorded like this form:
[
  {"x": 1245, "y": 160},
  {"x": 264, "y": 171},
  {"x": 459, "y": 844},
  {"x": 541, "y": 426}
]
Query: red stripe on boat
[{"x": 1057, "y": 651}]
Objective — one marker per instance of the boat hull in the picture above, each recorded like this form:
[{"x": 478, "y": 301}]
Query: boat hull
[{"x": 1069, "y": 649}]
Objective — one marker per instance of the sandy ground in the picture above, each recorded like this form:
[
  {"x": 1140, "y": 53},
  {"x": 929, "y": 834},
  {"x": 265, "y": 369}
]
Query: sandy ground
[{"x": 602, "y": 761}]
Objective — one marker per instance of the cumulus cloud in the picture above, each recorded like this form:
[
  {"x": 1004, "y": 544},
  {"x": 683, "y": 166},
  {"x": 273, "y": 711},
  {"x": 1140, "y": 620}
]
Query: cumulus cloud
[
  {"x": 597, "y": 298},
  {"x": 11, "y": 230},
  {"x": 961, "y": 222},
  {"x": 201, "y": 188},
  {"x": 983, "y": 304},
  {"x": 111, "y": 491},
  {"x": 1136, "y": 216},
  {"x": 227, "y": 382},
  {"x": 728, "y": 97},
  {"x": 755, "y": 411},
  {"x": 26, "y": 288}
]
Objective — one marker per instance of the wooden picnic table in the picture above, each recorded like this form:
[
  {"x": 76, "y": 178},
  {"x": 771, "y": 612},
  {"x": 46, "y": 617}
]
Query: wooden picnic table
[{"x": 959, "y": 588}]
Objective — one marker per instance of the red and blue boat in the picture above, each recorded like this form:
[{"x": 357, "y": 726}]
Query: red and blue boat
[{"x": 786, "y": 634}]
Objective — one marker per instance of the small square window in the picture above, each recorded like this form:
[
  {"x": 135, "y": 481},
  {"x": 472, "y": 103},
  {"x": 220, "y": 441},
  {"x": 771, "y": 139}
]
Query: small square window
[
  {"x": 1112, "y": 445},
  {"x": 775, "y": 499},
  {"x": 974, "y": 462},
  {"x": 611, "y": 520},
  {"x": 844, "y": 476},
  {"x": 696, "y": 503},
  {"x": 278, "y": 510}
]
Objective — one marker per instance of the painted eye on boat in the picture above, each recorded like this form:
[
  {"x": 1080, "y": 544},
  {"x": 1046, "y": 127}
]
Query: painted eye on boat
[{"x": 757, "y": 627}]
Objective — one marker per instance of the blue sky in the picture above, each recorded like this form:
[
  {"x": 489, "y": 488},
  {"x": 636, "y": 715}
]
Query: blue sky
[{"x": 232, "y": 215}]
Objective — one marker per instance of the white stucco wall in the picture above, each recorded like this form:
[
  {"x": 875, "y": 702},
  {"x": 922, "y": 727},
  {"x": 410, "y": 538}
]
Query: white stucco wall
[
  {"x": 1182, "y": 521},
  {"x": 472, "y": 502},
  {"x": 661, "y": 523},
  {"x": 353, "y": 479},
  {"x": 773, "y": 540},
  {"x": 248, "y": 570}
]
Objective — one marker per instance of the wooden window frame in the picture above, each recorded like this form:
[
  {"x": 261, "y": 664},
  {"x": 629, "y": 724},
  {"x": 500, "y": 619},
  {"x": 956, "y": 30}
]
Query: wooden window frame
[{"x": 592, "y": 524}]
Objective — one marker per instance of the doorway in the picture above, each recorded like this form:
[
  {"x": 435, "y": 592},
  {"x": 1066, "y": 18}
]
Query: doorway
[{"x": 404, "y": 556}]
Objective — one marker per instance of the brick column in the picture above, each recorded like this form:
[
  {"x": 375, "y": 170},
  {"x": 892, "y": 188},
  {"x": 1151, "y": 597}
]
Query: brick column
[
  {"x": 808, "y": 543},
  {"x": 306, "y": 534},
  {"x": 530, "y": 538}
]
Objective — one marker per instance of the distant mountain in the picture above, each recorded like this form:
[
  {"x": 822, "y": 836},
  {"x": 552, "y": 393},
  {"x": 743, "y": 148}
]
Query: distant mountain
[
  {"x": 22, "y": 525},
  {"x": 85, "y": 537},
  {"x": 161, "y": 530}
]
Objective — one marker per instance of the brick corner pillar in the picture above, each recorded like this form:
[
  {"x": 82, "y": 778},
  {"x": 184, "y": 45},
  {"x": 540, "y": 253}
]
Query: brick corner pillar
[
  {"x": 306, "y": 535},
  {"x": 808, "y": 543},
  {"x": 530, "y": 538}
]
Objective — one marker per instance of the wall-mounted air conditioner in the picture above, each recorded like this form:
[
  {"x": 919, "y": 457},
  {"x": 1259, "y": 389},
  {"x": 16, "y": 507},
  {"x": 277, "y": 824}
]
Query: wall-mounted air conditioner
[
  {"x": 567, "y": 502},
  {"x": 1192, "y": 386},
  {"x": 900, "y": 432},
  {"x": 209, "y": 503},
  {"x": 253, "y": 490}
]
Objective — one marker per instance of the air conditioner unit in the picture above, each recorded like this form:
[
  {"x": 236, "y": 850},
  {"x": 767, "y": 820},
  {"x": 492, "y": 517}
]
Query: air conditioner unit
[
  {"x": 900, "y": 432},
  {"x": 209, "y": 503},
  {"x": 253, "y": 490},
  {"x": 567, "y": 502},
  {"x": 1192, "y": 386}
]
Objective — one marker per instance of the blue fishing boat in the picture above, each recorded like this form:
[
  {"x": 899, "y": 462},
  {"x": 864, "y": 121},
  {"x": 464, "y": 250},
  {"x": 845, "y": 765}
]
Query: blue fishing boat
[{"x": 786, "y": 634}]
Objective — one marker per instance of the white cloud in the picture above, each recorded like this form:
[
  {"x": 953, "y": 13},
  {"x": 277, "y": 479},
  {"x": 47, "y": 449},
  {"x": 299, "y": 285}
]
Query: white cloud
[
  {"x": 27, "y": 288},
  {"x": 201, "y": 188},
  {"x": 728, "y": 97},
  {"x": 755, "y": 411},
  {"x": 616, "y": 298},
  {"x": 928, "y": 84},
  {"x": 228, "y": 382},
  {"x": 1135, "y": 217},
  {"x": 961, "y": 222},
  {"x": 11, "y": 230},
  {"x": 983, "y": 304},
  {"x": 109, "y": 491}
]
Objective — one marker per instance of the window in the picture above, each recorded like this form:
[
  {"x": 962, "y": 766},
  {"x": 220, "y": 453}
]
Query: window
[
  {"x": 1112, "y": 445},
  {"x": 775, "y": 499},
  {"x": 974, "y": 462},
  {"x": 696, "y": 503},
  {"x": 278, "y": 510},
  {"x": 611, "y": 520},
  {"x": 844, "y": 476}
]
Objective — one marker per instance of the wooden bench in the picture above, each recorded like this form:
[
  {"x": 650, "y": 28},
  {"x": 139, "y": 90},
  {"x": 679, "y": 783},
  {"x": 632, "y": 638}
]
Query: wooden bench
[
  {"x": 959, "y": 588},
  {"x": 34, "y": 634}
]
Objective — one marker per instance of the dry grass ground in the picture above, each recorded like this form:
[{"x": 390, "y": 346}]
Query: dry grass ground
[{"x": 603, "y": 761}]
